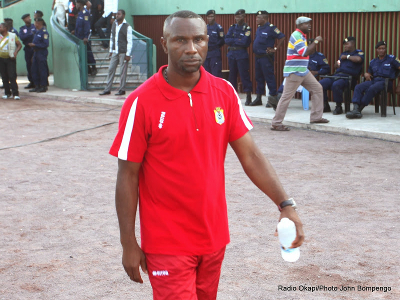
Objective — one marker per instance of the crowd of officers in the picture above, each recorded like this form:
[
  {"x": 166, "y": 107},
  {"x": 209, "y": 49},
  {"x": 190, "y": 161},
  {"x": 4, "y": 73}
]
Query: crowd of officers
[{"x": 269, "y": 39}]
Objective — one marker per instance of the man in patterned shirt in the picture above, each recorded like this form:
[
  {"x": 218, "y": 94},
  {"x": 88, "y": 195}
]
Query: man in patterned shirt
[{"x": 297, "y": 73}]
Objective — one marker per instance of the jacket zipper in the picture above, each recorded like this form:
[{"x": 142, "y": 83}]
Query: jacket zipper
[{"x": 194, "y": 116}]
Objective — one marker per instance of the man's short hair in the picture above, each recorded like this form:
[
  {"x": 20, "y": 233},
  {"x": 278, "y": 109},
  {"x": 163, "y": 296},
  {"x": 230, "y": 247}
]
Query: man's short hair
[
  {"x": 184, "y": 14},
  {"x": 122, "y": 11}
]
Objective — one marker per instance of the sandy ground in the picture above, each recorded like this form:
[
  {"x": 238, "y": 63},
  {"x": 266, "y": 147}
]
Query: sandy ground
[{"x": 59, "y": 236}]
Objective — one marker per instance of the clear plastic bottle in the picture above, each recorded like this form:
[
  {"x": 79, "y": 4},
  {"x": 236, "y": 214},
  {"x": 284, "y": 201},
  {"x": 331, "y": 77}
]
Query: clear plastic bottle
[{"x": 287, "y": 234}]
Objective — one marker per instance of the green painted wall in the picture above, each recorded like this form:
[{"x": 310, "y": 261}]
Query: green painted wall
[
  {"x": 166, "y": 7},
  {"x": 15, "y": 11}
]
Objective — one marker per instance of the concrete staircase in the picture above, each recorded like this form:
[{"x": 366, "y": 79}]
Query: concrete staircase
[{"x": 134, "y": 77}]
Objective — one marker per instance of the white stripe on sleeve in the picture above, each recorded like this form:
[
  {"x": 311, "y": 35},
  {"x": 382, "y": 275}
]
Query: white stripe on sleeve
[
  {"x": 123, "y": 149},
  {"x": 241, "y": 111}
]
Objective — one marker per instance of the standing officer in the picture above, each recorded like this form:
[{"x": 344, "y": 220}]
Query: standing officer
[
  {"x": 318, "y": 65},
  {"x": 350, "y": 63},
  {"x": 82, "y": 31},
  {"x": 26, "y": 34},
  {"x": 39, "y": 69},
  {"x": 264, "y": 49},
  {"x": 380, "y": 68},
  {"x": 213, "y": 62},
  {"x": 238, "y": 39}
]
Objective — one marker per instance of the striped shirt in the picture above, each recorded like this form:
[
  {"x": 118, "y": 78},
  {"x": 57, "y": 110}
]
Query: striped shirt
[{"x": 296, "y": 63}]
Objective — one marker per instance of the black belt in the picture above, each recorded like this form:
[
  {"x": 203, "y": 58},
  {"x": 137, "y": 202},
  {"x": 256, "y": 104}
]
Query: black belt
[
  {"x": 264, "y": 55},
  {"x": 236, "y": 48}
]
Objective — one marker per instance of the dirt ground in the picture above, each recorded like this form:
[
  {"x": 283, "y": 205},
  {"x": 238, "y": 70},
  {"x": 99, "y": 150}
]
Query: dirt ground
[{"x": 59, "y": 236}]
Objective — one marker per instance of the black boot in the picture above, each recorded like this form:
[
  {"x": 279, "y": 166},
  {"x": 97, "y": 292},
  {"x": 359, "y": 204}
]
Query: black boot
[
  {"x": 327, "y": 108},
  {"x": 34, "y": 90},
  {"x": 272, "y": 101},
  {"x": 356, "y": 112},
  {"x": 338, "y": 110},
  {"x": 248, "y": 99},
  {"x": 41, "y": 89},
  {"x": 257, "y": 101},
  {"x": 31, "y": 85}
]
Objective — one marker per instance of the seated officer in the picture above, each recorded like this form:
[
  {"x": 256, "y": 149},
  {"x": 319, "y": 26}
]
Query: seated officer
[
  {"x": 264, "y": 49},
  {"x": 384, "y": 66},
  {"x": 213, "y": 62},
  {"x": 318, "y": 65},
  {"x": 350, "y": 63},
  {"x": 238, "y": 39}
]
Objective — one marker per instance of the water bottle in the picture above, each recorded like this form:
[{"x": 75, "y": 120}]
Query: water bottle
[{"x": 287, "y": 234}]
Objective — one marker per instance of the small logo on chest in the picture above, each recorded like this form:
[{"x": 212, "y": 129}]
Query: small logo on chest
[
  {"x": 162, "y": 117},
  {"x": 219, "y": 115}
]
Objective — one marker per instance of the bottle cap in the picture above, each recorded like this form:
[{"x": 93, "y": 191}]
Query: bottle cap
[{"x": 290, "y": 255}]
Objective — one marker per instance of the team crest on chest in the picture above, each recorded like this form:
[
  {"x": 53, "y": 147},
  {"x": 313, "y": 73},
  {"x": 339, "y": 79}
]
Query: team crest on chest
[{"x": 219, "y": 115}]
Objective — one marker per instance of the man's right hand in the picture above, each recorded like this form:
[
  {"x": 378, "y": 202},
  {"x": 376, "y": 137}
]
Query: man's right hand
[
  {"x": 368, "y": 77},
  {"x": 132, "y": 258},
  {"x": 109, "y": 55}
]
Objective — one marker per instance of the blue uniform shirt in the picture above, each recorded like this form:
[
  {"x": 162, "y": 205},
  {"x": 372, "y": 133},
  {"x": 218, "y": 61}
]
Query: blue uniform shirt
[
  {"x": 349, "y": 67},
  {"x": 265, "y": 37},
  {"x": 82, "y": 27},
  {"x": 216, "y": 40},
  {"x": 238, "y": 36},
  {"x": 13, "y": 30},
  {"x": 385, "y": 67},
  {"x": 318, "y": 62},
  {"x": 41, "y": 40},
  {"x": 26, "y": 34}
]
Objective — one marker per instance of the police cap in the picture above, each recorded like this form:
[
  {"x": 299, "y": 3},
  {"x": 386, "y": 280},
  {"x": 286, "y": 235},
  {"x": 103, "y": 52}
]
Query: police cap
[
  {"x": 262, "y": 12},
  {"x": 240, "y": 12},
  {"x": 349, "y": 39},
  {"x": 210, "y": 12},
  {"x": 39, "y": 12},
  {"x": 25, "y": 16},
  {"x": 381, "y": 43}
]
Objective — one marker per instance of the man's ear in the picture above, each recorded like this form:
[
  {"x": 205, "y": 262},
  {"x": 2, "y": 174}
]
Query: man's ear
[{"x": 163, "y": 42}]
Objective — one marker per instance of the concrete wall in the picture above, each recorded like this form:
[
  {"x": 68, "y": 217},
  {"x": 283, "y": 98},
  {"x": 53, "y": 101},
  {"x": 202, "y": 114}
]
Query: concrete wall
[
  {"x": 15, "y": 11},
  {"x": 166, "y": 7}
]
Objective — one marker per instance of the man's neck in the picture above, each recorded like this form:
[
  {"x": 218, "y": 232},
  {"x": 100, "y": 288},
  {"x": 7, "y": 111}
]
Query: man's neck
[
  {"x": 120, "y": 22},
  {"x": 181, "y": 80},
  {"x": 381, "y": 57}
]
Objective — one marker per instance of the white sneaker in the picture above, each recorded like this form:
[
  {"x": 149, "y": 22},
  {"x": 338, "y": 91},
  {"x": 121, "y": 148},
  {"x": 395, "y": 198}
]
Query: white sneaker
[
  {"x": 6, "y": 97},
  {"x": 17, "y": 98}
]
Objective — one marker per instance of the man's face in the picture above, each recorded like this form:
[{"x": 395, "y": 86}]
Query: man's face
[
  {"x": 79, "y": 5},
  {"x": 35, "y": 16},
  {"x": 3, "y": 29},
  {"x": 38, "y": 25},
  {"x": 211, "y": 19},
  {"x": 348, "y": 46},
  {"x": 261, "y": 20},
  {"x": 28, "y": 20},
  {"x": 186, "y": 43},
  {"x": 120, "y": 16},
  {"x": 305, "y": 27},
  {"x": 381, "y": 50},
  {"x": 239, "y": 19}
]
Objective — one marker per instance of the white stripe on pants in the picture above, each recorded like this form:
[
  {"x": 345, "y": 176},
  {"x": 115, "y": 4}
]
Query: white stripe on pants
[
  {"x": 115, "y": 60},
  {"x": 292, "y": 83}
]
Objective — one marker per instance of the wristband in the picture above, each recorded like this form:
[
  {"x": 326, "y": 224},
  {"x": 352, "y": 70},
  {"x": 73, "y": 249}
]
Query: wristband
[{"x": 348, "y": 56}]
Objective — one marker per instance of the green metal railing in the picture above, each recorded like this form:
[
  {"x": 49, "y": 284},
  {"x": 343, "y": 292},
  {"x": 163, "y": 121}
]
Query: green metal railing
[{"x": 4, "y": 3}]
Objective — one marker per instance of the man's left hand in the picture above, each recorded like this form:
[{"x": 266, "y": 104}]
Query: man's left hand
[
  {"x": 31, "y": 45},
  {"x": 127, "y": 58},
  {"x": 85, "y": 41},
  {"x": 315, "y": 73},
  {"x": 271, "y": 50}
]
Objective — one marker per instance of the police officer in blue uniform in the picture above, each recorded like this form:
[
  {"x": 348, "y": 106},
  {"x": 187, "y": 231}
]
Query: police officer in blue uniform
[
  {"x": 10, "y": 24},
  {"x": 350, "y": 63},
  {"x": 39, "y": 68},
  {"x": 264, "y": 49},
  {"x": 238, "y": 39},
  {"x": 26, "y": 34},
  {"x": 380, "y": 68},
  {"x": 82, "y": 31},
  {"x": 317, "y": 64},
  {"x": 213, "y": 62}
]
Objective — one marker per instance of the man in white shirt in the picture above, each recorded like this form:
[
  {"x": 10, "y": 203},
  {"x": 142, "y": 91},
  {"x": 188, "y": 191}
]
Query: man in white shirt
[
  {"x": 61, "y": 10},
  {"x": 120, "y": 52},
  {"x": 110, "y": 10}
]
